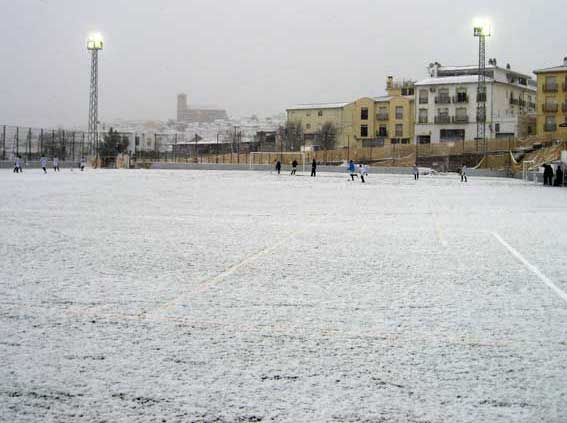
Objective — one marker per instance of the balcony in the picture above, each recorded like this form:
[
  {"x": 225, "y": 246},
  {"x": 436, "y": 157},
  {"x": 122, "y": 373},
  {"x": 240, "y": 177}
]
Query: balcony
[
  {"x": 550, "y": 88},
  {"x": 550, "y": 127},
  {"x": 382, "y": 117},
  {"x": 382, "y": 134},
  {"x": 422, "y": 120},
  {"x": 550, "y": 107},
  {"x": 444, "y": 99},
  {"x": 514, "y": 101},
  {"x": 423, "y": 100},
  {"x": 443, "y": 119},
  {"x": 461, "y": 99},
  {"x": 460, "y": 119}
]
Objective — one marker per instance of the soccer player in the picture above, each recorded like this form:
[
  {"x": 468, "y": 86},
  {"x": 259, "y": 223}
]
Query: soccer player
[
  {"x": 294, "y": 167},
  {"x": 314, "y": 168},
  {"x": 464, "y": 173},
  {"x": 415, "y": 172},
  {"x": 18, "y": 165},
  {"x": 43, "y": 163},
  {"x": 82, "y": 163},
  {"x": 278, "y": 166},
  {"x": 56, "y": 164},
  {"x": 352, "y": 170}
]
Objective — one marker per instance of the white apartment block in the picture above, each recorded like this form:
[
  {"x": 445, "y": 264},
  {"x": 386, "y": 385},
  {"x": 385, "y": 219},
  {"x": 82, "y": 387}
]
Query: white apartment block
[{"x": 446, "y": 103}]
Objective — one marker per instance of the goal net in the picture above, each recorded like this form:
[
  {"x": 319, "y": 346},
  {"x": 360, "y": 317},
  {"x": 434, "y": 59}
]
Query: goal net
[
  {"x": 529, "y": 166},
  {"x": 264, "y": 159}
]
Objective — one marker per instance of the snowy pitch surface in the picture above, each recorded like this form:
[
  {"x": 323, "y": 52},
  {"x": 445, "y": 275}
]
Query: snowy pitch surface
[{"x": 201, "y": 296}]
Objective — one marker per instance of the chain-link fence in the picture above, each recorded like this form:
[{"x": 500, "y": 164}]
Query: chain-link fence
[{"x": 32, "y": 143}]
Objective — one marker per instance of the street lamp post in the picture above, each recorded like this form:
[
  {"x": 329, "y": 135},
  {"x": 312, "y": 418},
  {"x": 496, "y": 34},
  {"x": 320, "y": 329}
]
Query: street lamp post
[
  {"x": 482, "y": 30},
  {"x": 94, "y": 44}
]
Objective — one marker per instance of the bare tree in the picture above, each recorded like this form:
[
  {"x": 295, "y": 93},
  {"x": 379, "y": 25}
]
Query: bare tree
[
  {"x": 327, "y": 137},
  {"x": 291, "y": 136}
]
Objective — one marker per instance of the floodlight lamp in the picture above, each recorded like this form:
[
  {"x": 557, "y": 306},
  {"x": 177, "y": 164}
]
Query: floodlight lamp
[
  {"x": 482, "y": 28},
  {"x": 95, "y": 41}
]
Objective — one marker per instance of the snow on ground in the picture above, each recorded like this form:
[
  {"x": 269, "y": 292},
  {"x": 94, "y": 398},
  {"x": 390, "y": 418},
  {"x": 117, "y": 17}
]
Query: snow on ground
[{"x": 205, "y": 296}]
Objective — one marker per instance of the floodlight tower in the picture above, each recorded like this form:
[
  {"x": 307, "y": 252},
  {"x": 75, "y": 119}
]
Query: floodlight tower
[
  {"x": 482, "y": 30},
  {"x": 94, "y": 44}
]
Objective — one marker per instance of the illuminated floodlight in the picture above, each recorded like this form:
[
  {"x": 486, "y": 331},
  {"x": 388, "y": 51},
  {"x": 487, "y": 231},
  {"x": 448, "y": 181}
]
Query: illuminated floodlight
[
  {"x": 95, "y": 41},
  {"x": 482, "y": 27}
]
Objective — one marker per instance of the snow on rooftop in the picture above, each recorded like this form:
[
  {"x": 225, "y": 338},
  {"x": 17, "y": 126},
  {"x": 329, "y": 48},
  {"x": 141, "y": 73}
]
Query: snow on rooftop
[
  {"x": 562, "y": 68},
  {"x": 444, "y": 80},
  {"x": 319, "y": 106}
]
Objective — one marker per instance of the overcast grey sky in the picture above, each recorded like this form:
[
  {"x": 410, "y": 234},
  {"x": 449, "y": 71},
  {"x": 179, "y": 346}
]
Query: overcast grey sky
[{"x": 248, "y": 56}]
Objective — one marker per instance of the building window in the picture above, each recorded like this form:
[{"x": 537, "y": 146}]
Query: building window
[
  {"x": 308, "y": 126},
  {"x": 364, "y": 113},
  {"x": 550, "y": 84},
  {"x": 462, "y": 96},
  {"x": 461, "y": 115},
  {"x": 423, "y": 96},
  {"x": 364, "y": 131},
  {"x": 424, "y": 139},
  {"x": 399, "y": 112},
  {"x": 320, "y": 113},
  {"x": 308, "y": 114},
  {"x": 382, "y": 113},
  {"x": 399, "y": 130},
  {"x": 451, "y": 135},
  {"x": 443, "y": 97},
  {"x": 408, "y": 91},
  {"x": 443, "y": 116},
  {"x": 422, "y": 118},
  {"x": 383, "y": 131},
  {"x": 550, "y": 105},
  {"x": 550, "y": 124}
]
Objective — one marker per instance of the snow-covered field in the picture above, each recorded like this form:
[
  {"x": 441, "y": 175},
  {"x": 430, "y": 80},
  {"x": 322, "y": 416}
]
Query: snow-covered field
[{"x": 203, "y": 296}]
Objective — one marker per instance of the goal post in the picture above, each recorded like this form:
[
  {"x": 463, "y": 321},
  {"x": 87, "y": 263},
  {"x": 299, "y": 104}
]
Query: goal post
[
  {"x": 267, "y": 158},
  {"x": 529, "y": 166}
]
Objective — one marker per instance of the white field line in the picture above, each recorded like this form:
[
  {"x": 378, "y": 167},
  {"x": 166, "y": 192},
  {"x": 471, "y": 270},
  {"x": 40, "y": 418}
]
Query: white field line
[
  {"x": 204, "y": 286},
  {"x": 562, "y": 294}
]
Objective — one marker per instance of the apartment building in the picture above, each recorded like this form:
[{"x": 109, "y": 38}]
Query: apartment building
[
  {"x": 446, "y": 103},
  {"x": 313, "y": 116},
  {"x": 552, "y": 99},
  {"x": 365, "y": 122}
]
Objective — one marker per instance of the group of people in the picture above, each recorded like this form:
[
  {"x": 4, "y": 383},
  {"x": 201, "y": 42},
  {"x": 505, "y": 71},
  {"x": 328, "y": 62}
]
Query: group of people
[
  {"x": 358, "y": 171},
  {"x": 549, "y": 175},
  {"x": 43, "y": 164},
  {"x": 294, "y": 165}
]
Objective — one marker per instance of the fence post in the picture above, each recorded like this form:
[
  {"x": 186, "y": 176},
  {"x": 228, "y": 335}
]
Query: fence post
[
  {"x": 73, "y": 148},
  {"x": 29, "y": 143},
  {"x": 17, "y": 141},
  {"x": 41, "y": 142},
  {"x": 4, "y": 142},
  {"x": 52, "y": 143}
]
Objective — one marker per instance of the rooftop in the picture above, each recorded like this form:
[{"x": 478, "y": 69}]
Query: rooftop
[
  {"x": 319, "y": 106},
  {"x": 444, "y": 80},
  {"x": 553, "y": 69}
]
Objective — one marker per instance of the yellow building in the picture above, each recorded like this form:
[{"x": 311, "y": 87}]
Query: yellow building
[
  {"x": 313, "y": 116},
  {"x": 366, "y": 122},
  {"x": 552, "y": 100}
]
